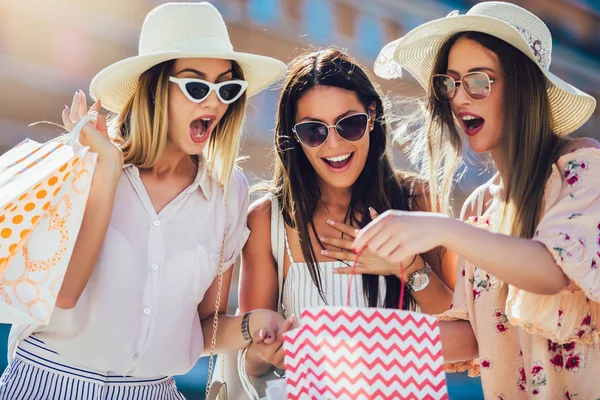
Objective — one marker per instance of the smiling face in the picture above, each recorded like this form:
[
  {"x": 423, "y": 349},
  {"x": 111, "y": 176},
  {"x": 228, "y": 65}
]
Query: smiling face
[
  {"x": 481, "y": 120},
  {"x": 191, "y": 124},
  {"x": 337, "y": 162}
]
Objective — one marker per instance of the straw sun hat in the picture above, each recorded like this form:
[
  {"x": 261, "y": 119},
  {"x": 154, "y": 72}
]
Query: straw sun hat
[
  {"x": 416, "y": 52},
  {"x": 180, "y": 30}
]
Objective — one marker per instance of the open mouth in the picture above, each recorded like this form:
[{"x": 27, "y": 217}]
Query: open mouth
[
  {"x": 471, "y": 123},
  {"x": 200, "y": 129},
  {"x": 338, "y": 162}
]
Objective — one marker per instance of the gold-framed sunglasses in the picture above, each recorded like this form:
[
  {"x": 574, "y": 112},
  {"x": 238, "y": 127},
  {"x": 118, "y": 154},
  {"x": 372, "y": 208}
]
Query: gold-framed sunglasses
[{"x": 477, "y": 86}]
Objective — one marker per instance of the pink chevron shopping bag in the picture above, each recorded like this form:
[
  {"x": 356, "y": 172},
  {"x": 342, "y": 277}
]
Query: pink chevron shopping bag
[{"x": 364, "y": 353}]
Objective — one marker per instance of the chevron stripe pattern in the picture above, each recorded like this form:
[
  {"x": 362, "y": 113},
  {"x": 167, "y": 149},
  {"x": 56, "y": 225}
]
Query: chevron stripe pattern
[{"x": 364, "y": 353}]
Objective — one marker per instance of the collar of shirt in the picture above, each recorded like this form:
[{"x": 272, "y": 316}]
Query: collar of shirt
[{"x": 201, "y": 181}]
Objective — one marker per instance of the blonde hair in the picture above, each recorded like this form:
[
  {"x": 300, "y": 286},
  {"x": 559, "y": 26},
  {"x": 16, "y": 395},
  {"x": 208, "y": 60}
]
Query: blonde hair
[{"x": 141, "y": 127}]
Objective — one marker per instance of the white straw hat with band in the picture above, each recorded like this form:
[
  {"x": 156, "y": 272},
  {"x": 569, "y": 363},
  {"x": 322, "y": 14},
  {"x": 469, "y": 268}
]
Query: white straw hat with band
[
  {"x": 416, "y": 52},
  {"x": 180, "y": 30}
]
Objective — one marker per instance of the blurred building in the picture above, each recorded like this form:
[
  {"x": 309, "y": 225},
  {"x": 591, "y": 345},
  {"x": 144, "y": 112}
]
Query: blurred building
[{"x": 48, "y": 49}]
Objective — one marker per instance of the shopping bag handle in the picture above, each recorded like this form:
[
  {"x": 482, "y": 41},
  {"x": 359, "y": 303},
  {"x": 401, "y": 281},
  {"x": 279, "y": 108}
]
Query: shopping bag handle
[
  {"x": 91, "y": 116},
  {"x": 72, "y": 137},
  {"x": 352, "y": 273}
]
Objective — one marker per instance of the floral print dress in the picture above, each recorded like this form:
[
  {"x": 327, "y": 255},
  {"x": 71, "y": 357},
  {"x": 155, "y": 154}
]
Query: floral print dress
[{"x": 537, "y": 346}]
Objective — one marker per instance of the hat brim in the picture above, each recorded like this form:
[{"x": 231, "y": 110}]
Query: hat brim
[
  {"x": 416, "y": 52},
  {"x": 115, "y": 85}
]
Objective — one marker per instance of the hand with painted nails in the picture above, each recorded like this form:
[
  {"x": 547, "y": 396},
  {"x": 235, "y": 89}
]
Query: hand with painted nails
[
  {"x": 369, "y": 262},
  {"x": 270, "y": 348},
  {"x": 95, "y": 135},
  {"x": 397, "y": 236}
]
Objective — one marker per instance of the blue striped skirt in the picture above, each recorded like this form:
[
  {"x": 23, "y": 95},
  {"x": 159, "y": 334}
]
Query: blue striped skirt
[{"x": 39, "y": 373}]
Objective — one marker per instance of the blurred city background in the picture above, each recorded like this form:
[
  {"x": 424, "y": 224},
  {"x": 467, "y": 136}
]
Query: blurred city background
[{"x": 50, "y": 48}]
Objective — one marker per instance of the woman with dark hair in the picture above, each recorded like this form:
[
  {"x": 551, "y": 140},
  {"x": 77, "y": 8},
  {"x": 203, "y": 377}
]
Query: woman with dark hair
[
  {"x": 333, "y": 173},
  {"x": 527, "y": 297}
]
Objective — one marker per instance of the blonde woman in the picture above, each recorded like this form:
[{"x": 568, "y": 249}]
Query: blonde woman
[
  {"x": 526, "y": 307},
  {"x": 167, "y": 211}
]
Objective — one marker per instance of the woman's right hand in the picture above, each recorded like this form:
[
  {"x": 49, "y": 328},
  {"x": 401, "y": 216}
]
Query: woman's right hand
[{"x": 94, "y": 135}]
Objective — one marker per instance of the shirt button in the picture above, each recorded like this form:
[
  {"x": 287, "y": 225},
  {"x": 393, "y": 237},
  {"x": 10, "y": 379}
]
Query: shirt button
[
  {"x": 157, "y": 223},
  {"x": 146, "y": 311},
  {"x": 154, "y": 267}
]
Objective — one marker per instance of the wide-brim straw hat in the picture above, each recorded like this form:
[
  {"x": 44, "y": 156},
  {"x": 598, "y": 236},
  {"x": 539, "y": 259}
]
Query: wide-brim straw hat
[
  {"x": 417, "y": 50},
  {"x": 180, "y": 30}
]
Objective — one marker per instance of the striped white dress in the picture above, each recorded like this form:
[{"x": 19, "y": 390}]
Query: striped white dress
[{"x": 300, "y": 292}]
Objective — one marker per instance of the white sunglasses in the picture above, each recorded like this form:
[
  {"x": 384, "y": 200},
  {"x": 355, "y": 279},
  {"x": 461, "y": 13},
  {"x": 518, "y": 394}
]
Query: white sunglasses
[{"x": 198, "y": 90}]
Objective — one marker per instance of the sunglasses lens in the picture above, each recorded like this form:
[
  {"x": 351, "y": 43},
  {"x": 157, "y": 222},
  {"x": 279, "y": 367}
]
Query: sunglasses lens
[
  {"x": 477, "y": 85},
  {"x": 230, "y": 91},
  {"x": 312, "y": 134},
  {"x": 197, "y": 90},
  {"x": 352, "y": 128},
  {"x": 443, "y": 88}
]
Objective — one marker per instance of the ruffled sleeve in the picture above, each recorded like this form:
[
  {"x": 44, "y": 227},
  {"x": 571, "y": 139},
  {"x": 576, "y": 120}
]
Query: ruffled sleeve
[
  {"x": 570, "y": 229},
  {"x": 459, "y": 311}
]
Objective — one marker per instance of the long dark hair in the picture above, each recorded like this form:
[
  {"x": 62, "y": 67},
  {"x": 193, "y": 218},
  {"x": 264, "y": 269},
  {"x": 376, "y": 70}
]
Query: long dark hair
[
  {"x": 530, "y": 146},
  {"x": 295, "y": 181}
]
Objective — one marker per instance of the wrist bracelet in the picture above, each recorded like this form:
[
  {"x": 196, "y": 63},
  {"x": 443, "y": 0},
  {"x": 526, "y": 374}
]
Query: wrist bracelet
[{"x": 246, "y": 327}]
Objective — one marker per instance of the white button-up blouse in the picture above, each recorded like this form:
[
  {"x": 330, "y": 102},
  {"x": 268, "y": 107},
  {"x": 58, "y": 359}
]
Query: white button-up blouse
[{"x": 138, "y": 313}]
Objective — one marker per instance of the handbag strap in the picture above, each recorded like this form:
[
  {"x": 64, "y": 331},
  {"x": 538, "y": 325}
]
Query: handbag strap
[
  {"x": 278, "y": 244},
  {"x": 211, "y": 360}
]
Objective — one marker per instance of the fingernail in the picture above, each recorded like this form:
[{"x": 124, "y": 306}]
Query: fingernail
[
  {"x": 354, "y": 250},
  {"x": 291, "y": 319},
  {"x": 65, "y": 107},
  {"x": 261, "y": 333},
  {"x": 357, "y": 231},
  {"x": 371, "y": 209},
  {"x": 330, "y": 222},
  {"x": 324, "y": 252}
]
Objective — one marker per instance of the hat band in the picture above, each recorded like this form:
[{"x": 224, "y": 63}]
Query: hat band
[
  {"x": 204, "y": 45},
  {"x": 539, "y": 49}
]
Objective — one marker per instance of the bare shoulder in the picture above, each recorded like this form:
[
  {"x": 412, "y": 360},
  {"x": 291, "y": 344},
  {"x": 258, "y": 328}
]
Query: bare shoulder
[
  {"x": 259, "y": 211},
  {"x": 580, "y": 143},
  {"x": 257, "y": 251}
]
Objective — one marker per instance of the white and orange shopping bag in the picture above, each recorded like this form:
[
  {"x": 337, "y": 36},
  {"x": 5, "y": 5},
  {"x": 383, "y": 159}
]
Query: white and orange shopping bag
[
  {"x": 364, "y": 353},
  {"x": 43, "y": 193}
]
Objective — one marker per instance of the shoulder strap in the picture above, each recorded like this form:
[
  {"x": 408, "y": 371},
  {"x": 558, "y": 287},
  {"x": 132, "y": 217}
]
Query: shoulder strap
[{"x": 278, "y": 244}]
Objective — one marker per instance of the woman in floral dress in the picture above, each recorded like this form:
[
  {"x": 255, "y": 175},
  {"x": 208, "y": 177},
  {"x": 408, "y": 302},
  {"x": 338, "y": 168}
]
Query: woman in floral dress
[{"x": 526, "y": 304}]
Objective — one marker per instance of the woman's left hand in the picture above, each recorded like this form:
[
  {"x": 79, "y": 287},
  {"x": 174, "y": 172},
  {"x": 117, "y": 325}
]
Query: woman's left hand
[
  {"x": 397, "y": 236},
  {"x": 369, "y": 262}
]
